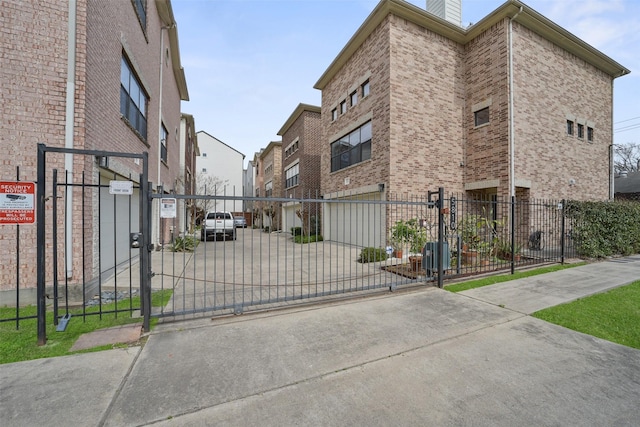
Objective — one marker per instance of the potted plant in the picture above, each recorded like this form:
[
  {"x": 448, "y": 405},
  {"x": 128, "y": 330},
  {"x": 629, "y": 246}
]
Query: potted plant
[{"x": 409, "y": 233}]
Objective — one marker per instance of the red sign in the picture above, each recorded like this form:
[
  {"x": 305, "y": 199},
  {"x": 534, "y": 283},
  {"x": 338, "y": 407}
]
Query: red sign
[{"x": 17, "y": 202}]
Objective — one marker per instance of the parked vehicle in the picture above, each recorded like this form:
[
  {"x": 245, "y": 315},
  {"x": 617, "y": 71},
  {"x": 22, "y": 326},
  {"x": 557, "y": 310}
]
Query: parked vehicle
[
  {"x": 218, "y": 224},
  {"x": 240, "y": 222}
]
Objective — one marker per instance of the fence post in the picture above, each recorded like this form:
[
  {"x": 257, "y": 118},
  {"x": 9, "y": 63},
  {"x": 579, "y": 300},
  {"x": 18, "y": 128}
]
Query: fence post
[
  {"x": 513, "y": 234},
  {"x": 40, "y": 247},
  {"x": 562, "y": 233},
  {"x": 145, "y": 248},
  {"x": 441, "y": 214}
]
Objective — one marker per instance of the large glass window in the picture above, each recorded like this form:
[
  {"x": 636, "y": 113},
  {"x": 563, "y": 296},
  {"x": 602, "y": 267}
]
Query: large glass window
[
  {"x": 352, "y": 148},
  {"x": 291, "y": 176},
  {"x": 133, "y": 99}
]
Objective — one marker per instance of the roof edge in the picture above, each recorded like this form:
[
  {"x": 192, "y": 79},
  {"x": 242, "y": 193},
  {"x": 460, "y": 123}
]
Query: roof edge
[
  {"x": 301, "y": 108},
  {"x": 166, "y": 15}
]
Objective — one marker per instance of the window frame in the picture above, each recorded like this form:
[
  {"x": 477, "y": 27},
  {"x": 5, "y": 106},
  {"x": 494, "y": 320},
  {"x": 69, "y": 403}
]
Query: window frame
[
  {"x": 353, "y": 98},
  {"x": 479, "y": 117},
  {"x": 570, "y": 127},
  {"x": 293, "y": 180},
  {"x": 590, "y": 134},
  {"x": 352, "y": 153},
  {"x": 366, "y": 88},
  {"x": 580, "y": 131},
  {"x": 343, "y": 106},
  {"x": 133, "y": 111},
  {"x": 164, "y": 152},
  {"x": 334, "y": 114}
]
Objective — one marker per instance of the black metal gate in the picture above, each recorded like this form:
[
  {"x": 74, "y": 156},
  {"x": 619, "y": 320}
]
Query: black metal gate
[{"x": 90, "y": 234}]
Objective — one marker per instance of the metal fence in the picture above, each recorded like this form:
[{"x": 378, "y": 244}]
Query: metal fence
[
  {"x": 303, "y": 249},
  {"x": 294, "y": 250}
]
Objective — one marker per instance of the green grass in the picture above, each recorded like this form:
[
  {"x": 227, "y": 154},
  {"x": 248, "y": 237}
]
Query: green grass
[
  {"x": 613, "y": 316},
  {"x": 492, "y": 280},
  {"x": 21, "y": 344}
]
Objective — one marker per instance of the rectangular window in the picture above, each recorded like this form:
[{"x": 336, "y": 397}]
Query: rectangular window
[
  {"x": 365, "y": 89},
  {"x": 590, "y": 134},
  {"x": 580, "y": 131},
  {"x": 354, "y": 98},
  {"x": 481, "y": 117},
  {"x": 268, "y": 189},
  {"x": 291, "y": 176},
  {"x": 141, "y": 10},
  {"x": 133, "y": 99},
  {"x": 163, "y": 144},
  {"x": 570, "y": 127},
  {"x": 352, "y": 148},
  {"x": 334, "y": 114},
  {"x": 343, "y": 107}
]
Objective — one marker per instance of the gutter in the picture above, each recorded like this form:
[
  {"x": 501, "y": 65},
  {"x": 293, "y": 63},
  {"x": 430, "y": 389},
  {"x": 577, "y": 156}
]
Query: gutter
[
  {"x": 512, "y": 136},
  {"x": 69, "y": 128}
]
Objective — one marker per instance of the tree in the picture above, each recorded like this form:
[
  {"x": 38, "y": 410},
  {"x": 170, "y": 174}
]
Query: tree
[
  {"x": 626, "y": 157},
  {"x": 207, "y": 185}
]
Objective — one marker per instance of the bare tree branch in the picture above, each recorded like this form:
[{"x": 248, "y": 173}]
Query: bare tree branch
[{"x": 626, "y": 157}]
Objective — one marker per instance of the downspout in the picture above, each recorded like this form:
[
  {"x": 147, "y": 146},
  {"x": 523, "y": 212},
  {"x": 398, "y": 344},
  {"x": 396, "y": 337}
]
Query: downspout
[
  {"x": 68, "y": 130},
  {"x": 512, "y": 137},
  {"x": 612, "y": 194},
  {"x": 159, "y": 182}
]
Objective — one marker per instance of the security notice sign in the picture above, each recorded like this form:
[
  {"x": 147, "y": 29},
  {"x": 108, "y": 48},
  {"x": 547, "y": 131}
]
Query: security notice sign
[
  {"x": 168, "y": 208},
  {"x": 17, "y": 202}
]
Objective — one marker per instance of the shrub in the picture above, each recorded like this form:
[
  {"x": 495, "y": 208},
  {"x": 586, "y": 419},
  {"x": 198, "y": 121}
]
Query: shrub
[
  {"x": 307, "y": 239},
  {"x": 296, "y": 231},
  {"x": 184, "y": 244},
  {"x": 605, "y": 228},
  {"x": 372, "y": 255}
]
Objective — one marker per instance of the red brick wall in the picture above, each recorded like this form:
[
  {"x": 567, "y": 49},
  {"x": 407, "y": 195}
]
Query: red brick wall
[{"x": 309, "y": 134}]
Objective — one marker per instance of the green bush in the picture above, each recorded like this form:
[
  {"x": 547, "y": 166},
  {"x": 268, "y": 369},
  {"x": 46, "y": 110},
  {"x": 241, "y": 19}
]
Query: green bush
[
  {"x": 296, "y": 231},
  {"x": 307, "y": 239},
  {"x": 372, "y": 255},
  {"x": 184, "y": 244},
  {"x": 605, "y": 228}
]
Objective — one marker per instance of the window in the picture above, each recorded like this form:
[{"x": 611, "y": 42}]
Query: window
[
  {"x": 354, "y": 98},
  {"x": 365, "y": 89},
  {"x": 291, "y": 176},
  {"x": 334, "y": 114},
  {"x": 352, "y": 148},
  {"x": 570, "y": 127},
  {"x": 133, "y": 99},
  {"x": 343, "y": 107},
  {"x": 268, "y": 189},
  {"x": 141, "y": 10},
  {"x": 580, "y": 130},
  {"x": 204, "y": 170},
  {"x": 481, "y": 117},
  {"x": 292, "y": 148},
  {"x": 268, "y": 170},
  {"x": 204, "y": 154},
  {"x": 590, "y": 134},
  {"x": 163, "y": 144}
]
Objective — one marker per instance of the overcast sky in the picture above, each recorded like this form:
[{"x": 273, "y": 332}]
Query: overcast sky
[{"x": 249, "y": 63}]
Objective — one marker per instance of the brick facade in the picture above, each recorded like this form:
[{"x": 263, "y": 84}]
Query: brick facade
[
  {"x": 428, "y": 79},
  {"x": 34, "y": 83},
  {"x": 301, "y": 139}
]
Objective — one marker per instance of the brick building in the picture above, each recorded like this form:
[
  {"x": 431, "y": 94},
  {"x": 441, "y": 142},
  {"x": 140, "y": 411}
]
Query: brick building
[
  {"x": 301, "y": 149},
  {"x": 86, "y": 74},
  {"x": 514, "y": 104},
  {"x": 268, "y": 184}
]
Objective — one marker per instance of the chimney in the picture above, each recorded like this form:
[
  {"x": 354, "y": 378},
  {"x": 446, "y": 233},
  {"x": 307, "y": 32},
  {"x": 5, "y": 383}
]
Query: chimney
[{"x": 449, "y": 10}]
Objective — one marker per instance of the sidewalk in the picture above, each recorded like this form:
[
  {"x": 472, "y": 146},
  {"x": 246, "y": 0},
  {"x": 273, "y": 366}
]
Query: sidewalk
[{"x": 427, "y": 357}]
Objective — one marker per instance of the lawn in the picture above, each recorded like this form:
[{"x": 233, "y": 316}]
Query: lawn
[
  {"x": 613, "y": 315},
  {"x": 492, "y": 280},
  {"x": 21, "y": 344}
]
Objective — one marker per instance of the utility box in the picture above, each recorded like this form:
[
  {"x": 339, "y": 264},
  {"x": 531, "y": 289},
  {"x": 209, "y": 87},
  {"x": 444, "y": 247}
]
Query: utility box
[{"x": 430, "y": 257}]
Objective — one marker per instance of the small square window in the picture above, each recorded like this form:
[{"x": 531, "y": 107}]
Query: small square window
[
  {"x": 204, "y": 154},
  {"x": 570, "y": 127},
  {"x": 365, "y": 89},
  {"x": 481, "y": 117},
  {"x": 580, "y": 131},
  {"x": 343, "y": 107},
  {"x": 354, "y": 98},
  {"x": 334, "y": 114},
  {"x": 590, "y": 134},
  {"x": 204, "y": 170}
]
